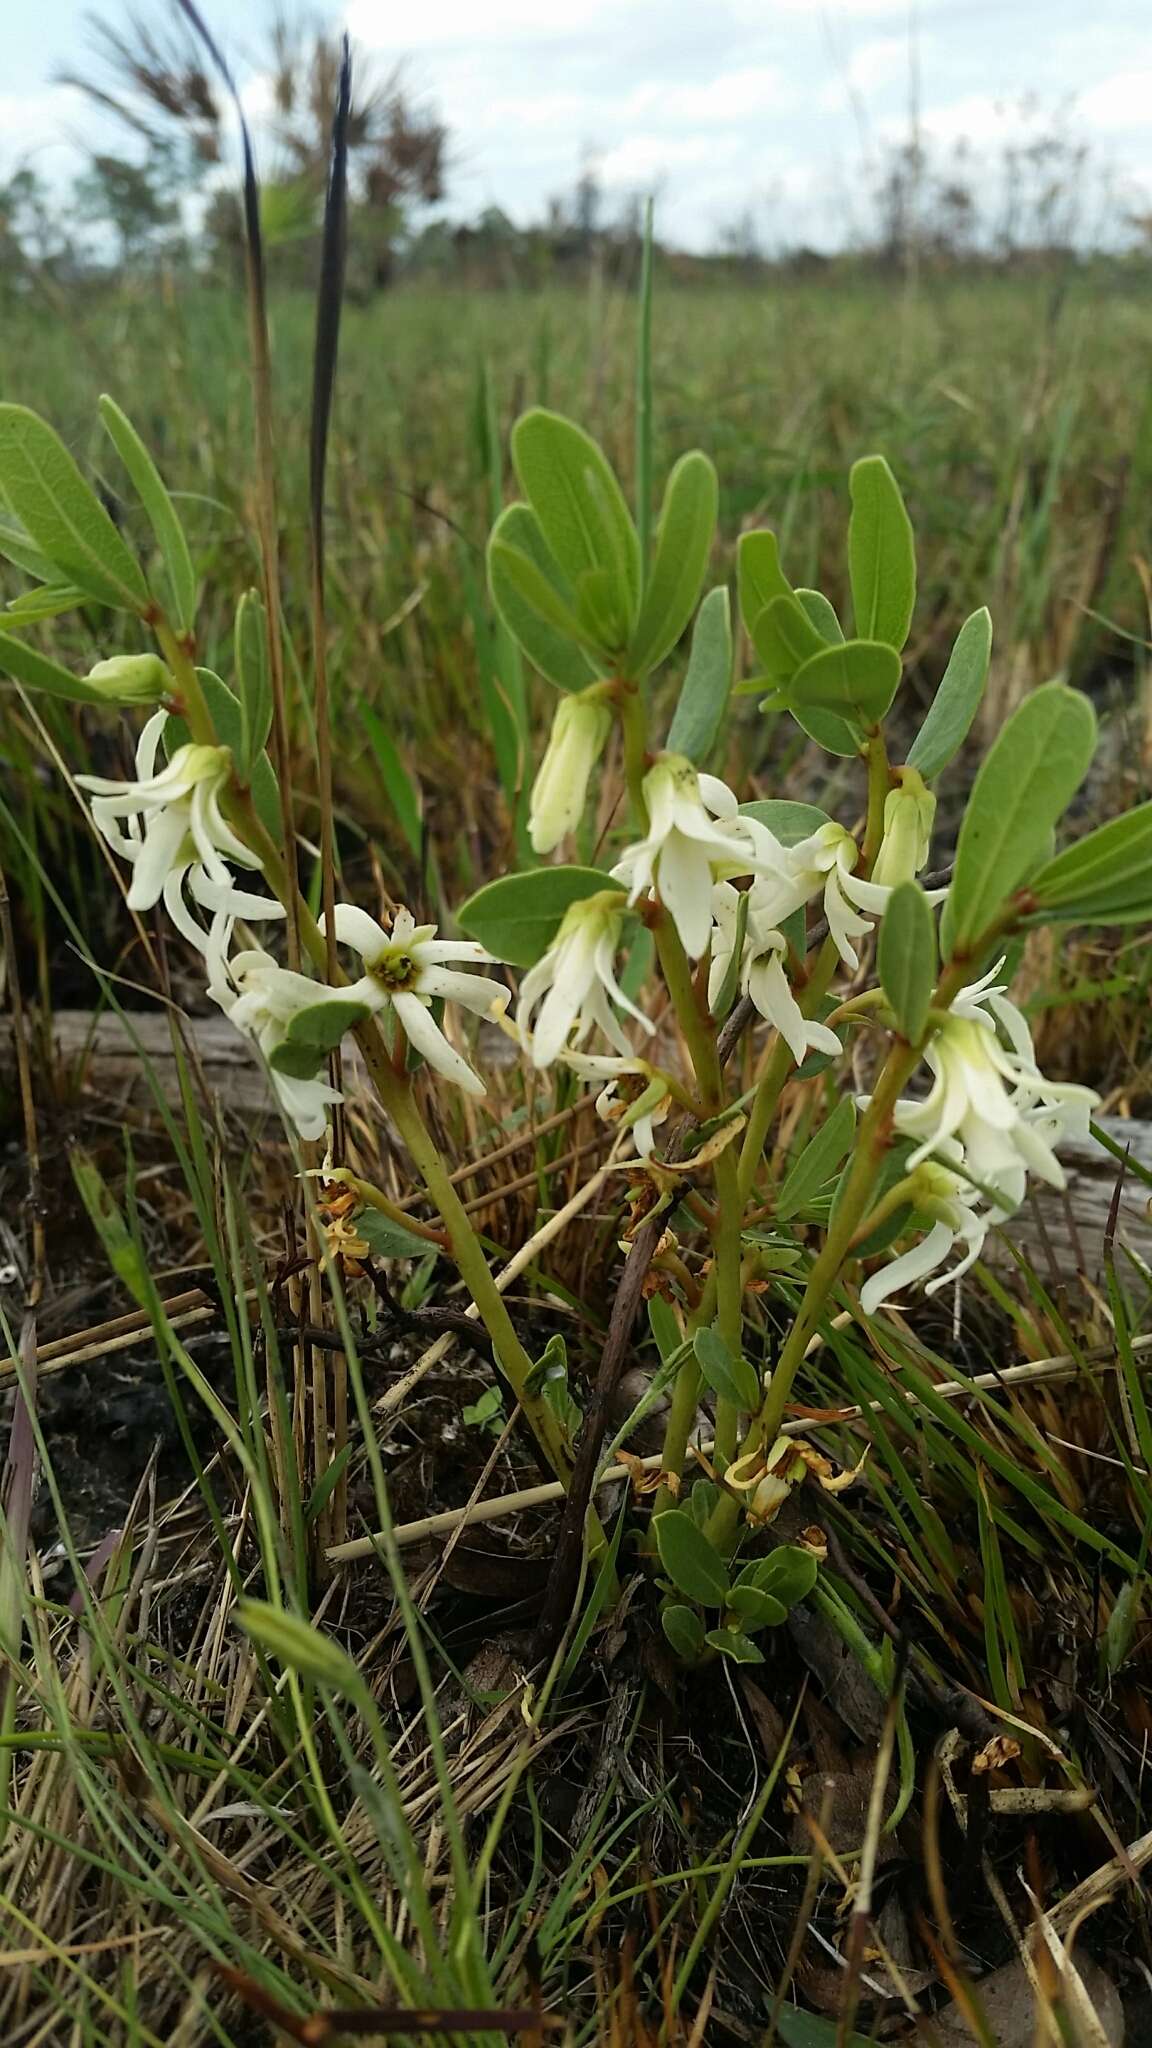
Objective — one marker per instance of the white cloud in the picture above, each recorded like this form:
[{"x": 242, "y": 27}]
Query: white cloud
[
  {"x": 1118, "y": 103},
  {"x": 979, "y": 118},
  {"x": 646, "y": 159},
  {"x": 33, "y": 122},
  {"x": 734, "y": 96}
]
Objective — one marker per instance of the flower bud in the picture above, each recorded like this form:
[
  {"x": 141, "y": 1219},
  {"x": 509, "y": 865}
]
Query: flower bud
[
  {"x": 132, "y": 679},
  {"x": 560, "y": 790},
  {"x": 909, "y": 811}
]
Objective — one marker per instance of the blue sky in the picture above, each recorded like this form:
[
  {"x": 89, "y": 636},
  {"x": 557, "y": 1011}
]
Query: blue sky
[{"x": 776, "y": 106}]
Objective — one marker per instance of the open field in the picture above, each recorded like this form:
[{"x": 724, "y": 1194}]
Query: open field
[{"x": 202, "y": 1836}]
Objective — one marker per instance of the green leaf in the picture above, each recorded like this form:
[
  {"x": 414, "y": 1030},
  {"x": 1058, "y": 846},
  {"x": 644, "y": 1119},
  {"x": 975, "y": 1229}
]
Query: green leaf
[
  {"x": 298, "y": 1645},
  {"x": 819, "y": 1159},
  {"x": 907, "y": 958},
  {"x": 684, "y": 1630},
  {"x": 578, "y": 502},
  {"x": 1105, "y": 878},
  {"x": 834, "y": 734},
  {"x": 754, "y": 1609},
  {"x": 62, "y": 514},
  {"x": 518, "y": 917},
  {"x": 120, "y": 1247},
  {"x": 250, "y": 641},
  {"x": 689, "y": 1559},
  {"x": 16, "y": 547},
  {"x": 798, "y": 2029},
  {"x": 683, "y": 545},
  {"x": 823, "y": 615},
  {"x": 856, "y": 680},
  {"x": 28, "y": 666},
  {"x": 881, "y": 555},
  {"x": 314, "y": 1033},
  {"x": 1026, "y": 782},
  {"x": 759, "y": 577},
  {"x": 788, "y": 1574},
  {"x": 731, "y": 1643},
  {"x": 45, "y": 603},
  {"x": 957, "y": 700},
  {"x": 664, "y": 1327},
  {"x": 703, "y": 696},
  {"x": 703, "y": 1502},
  {"x": 508, "y": 568},
  {"x": 732, "y": 1377},
  {"x": 388, "y": 1240},
  {"x": 785, "y": 638},
  {"x": 791, "y": 822},
  {"x": 161, "y": 512},
  {"x": 550, "y": 648},
  {"x": 228, "y": 720}
]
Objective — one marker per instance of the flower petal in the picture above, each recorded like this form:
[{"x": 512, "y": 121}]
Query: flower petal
[
  {"x": 910, "y": 1267},
  {"x": 475, "y": 992},
  {"x": 353, "y": 927},
  {"x": 425, "y": 1034},
  {"x": 685, "y": 885}
]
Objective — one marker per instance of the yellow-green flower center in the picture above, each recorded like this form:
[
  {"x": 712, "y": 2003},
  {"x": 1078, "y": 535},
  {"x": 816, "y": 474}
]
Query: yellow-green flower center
[{"x": 394, "y": 970}]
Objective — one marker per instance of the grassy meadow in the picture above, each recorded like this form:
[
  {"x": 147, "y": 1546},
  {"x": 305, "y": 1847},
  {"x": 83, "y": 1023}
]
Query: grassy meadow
[{"x": 200, "y": 1844}]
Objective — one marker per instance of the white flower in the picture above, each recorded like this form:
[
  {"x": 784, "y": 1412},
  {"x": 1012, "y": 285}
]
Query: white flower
[
  {"x": 261, "y": 999},
  {"x": 822, "y": 864},
  {"x": 574, "y": 980},
  {"x": 404, "y": 971},
  {"x": 954, "y": 1205},
  {"x": 175, "y": 823},
  {"x": 993, "y": 1097},
  {"x": 909, "y": 812},
  {"x": 762, "y": 974},
  {"x": 559, "y": 793},
  {"x": 695, "y": 838}
]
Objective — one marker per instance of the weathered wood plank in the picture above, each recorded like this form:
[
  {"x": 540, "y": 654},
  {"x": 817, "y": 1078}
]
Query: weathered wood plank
[{"x": 1062, "y": 1233}]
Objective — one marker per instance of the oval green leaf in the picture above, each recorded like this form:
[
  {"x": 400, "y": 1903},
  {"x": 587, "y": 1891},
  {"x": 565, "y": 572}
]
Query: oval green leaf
[
  {"x": 683, "y": 545},
  {"x": 518, "y": 917},
  {"x": 857, "y": 680},
  {"x": 549, "y": 648},
  {"x": 791, "y": 822},
  {"x": 704, "y": 692},
  {"x": 47, "y": 602},
  {"x": 785, "y": 638},
  {"x": 61, "y": 513},
  {"x": 731, "y": 1643},
  {"x": 314, "y": 1033},
  {"x": 759, "y": 577},
  {"x": 1025, "y": 784},
  {"x": 818, "y": 1160},
  {"x": 881, "y": 555},
  {"x": 170, "y": 537},
  {"x": 788, "y": 1574},
  {"x": 691, "y": 1562},
  {"x": 28, "y": 666},
  {"x": 576, "y": 498},
  {"x": 250, "y": 643},
  {"x": 957, "y": 700},
  {"x": 1106, "y": 878},
  {"x": 907, "y": 958},
  {"x": 754, "y": 1609},
  {"x": 684, "y": 1630},
  {"x": 733, "y": 1377}
]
